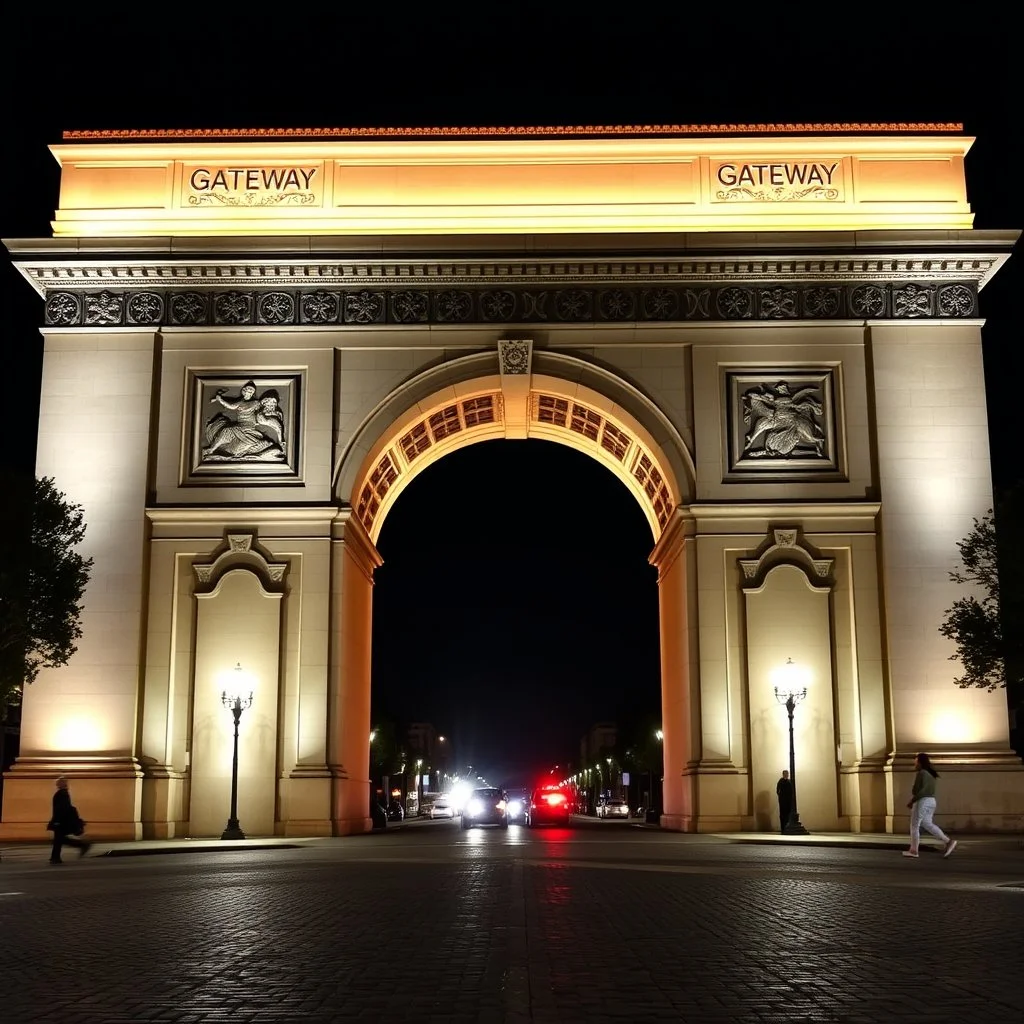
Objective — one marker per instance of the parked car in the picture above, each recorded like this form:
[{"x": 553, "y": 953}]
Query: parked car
[
  {"x": 613, "y": 809},
  {"x": 485, "y": 807},
  {"x": 442, "y": 808},
  {"x": 549, "y": 805},
  {"x": 395, "y": 811}
]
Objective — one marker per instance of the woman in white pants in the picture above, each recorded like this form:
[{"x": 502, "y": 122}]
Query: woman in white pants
[{"x": 922, "y": 808}]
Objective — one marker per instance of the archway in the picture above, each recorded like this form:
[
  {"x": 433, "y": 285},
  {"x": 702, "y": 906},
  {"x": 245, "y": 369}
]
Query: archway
[
  {"x": 463, "y": 402},
  {"x": 510, "y": 616}
]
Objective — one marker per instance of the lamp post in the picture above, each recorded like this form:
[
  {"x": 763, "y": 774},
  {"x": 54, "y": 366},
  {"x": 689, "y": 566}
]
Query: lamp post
[
  {"x": 789, "y": 693},
  {"x": 419, "y": 785},
  {"x": 236, "y": 704}
]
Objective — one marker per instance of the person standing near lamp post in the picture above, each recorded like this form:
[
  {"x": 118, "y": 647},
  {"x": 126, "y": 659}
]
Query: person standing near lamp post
[{"x": 784, "y": 791}]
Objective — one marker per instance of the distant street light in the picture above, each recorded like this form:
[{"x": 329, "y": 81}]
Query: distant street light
[
  {"x": 789, "y": 693},
  {"x": 236, "y": 704}
]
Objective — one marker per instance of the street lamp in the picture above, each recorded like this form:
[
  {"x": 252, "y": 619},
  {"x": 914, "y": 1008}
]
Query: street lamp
[
  {"x": 789, "y": 692},
  {"x": 236, "y": 704}
]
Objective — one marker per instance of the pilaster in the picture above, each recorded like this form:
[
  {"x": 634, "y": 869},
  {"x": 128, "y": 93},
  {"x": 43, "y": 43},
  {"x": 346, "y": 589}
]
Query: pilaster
[{"x": 353, "y": 561}]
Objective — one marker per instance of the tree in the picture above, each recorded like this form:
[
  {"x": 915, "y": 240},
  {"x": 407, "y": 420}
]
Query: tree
[
  {"x": 41, "y": 588},
  {"x": 975, "y": 626}
]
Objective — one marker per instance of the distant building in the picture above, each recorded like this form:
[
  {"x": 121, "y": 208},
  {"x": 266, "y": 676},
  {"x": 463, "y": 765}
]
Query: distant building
[
  {"x": 422, "y": 738},
  {"x": 435, "y": 750},
  {"x": 599, "y": 738}
]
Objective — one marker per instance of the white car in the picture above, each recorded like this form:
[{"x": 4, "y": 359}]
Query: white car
[
  {"x": 442, "y": 808},
  {"x": 613, "y": 809}
]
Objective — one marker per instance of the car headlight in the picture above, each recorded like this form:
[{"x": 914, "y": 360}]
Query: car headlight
[
  {"x": 475, "y": 806},
  {"x": 515, "y": 807}
]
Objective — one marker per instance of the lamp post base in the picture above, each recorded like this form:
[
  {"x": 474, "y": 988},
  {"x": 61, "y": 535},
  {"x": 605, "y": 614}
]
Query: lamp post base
[
  {"x": 232, "y": 831},
  {"x": 793, "y": 827}
]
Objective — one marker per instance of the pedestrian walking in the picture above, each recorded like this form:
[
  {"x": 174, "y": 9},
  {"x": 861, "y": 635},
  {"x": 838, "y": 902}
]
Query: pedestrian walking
[
  {"x": 784, "y": 791},
  {"x": 922, "y": 808},
  {"x": 65, "y": 823}
]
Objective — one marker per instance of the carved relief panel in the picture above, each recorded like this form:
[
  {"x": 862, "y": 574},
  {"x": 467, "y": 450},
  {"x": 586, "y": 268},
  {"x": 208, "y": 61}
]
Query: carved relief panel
[
  {"x": 782, "y": 424},
  {"x": 242, "y": 428}
]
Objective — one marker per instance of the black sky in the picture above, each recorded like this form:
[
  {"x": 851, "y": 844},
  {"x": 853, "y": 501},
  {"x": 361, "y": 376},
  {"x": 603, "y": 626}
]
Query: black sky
[{"x": 534, "y": 603}]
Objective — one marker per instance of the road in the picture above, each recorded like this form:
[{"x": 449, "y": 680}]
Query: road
[{"x": 425, "y": 922}]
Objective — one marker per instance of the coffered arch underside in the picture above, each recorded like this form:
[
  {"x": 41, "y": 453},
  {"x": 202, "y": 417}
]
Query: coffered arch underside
[{"x": 566, "y": 400}]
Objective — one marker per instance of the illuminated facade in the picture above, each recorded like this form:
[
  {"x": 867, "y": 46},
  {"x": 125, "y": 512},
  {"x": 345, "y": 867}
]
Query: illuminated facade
[{"x": 769, "y": 334}]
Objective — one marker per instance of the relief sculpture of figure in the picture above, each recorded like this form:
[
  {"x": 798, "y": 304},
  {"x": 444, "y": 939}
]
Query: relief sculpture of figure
[
  {"x": 256, "y": 433},
  {"x": 782, "y": 423}
]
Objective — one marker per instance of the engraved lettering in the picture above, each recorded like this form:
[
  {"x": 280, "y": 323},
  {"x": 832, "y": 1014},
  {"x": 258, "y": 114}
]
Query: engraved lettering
[{"x": 252, "y": 179}]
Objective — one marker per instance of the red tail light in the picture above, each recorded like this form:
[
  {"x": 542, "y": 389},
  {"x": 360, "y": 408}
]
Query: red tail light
[{"x": 554, "y": 799}]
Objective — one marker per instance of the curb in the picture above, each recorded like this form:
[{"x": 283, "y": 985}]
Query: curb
[
  {"x": 227, "y": 847},
  {"x": 835, "y": 844},
  {"x": 872, "y": 844}
]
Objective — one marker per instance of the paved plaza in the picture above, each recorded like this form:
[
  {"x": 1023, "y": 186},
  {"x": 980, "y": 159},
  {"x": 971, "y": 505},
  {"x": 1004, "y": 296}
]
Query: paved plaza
[{"x": 424, "y": 922}]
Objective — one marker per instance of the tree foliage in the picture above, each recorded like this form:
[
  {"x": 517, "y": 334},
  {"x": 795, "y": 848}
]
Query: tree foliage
[
  {"x": 975, "y": 625},
  {"x": 41, "y": 591}
]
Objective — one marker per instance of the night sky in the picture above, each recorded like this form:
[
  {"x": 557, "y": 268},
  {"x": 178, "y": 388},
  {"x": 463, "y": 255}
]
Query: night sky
[{"x": 531, "y": 607}]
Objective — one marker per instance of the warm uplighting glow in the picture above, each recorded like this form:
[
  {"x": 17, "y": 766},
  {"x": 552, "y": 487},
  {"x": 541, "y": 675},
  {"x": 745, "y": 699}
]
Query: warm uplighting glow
[
  {"x": 79, "y": 734},
  {"x": 950, "y": 728}
]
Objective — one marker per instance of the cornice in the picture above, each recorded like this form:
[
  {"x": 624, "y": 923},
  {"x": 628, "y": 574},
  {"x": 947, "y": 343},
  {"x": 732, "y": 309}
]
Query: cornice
[
  {"x": 536, "y": 131},
  {"x": 159, "y": 283},
  {"x": 62, "y": 272},
  {"x": 220, "y": 514},
  {"x": 721, "y": 519}
]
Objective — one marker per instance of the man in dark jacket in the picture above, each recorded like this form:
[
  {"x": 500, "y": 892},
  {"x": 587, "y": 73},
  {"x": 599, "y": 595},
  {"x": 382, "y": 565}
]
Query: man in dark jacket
[
  {"x": 65, "y": 823},
  {"x": 784, "y": 791}
]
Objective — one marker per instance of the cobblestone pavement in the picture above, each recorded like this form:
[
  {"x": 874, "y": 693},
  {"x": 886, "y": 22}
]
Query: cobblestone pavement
[{"x": 589, "y": 924}]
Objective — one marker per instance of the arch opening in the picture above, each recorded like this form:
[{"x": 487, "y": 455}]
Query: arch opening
[{"x": 521, "y": 624}]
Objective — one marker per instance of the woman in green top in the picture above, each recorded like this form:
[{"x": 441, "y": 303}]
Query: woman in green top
[{"x": 922, "y": 807}]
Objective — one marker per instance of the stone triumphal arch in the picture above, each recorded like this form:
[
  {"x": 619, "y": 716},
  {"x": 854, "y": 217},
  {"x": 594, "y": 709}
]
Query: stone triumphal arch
[{"x": 253, "y": 342}]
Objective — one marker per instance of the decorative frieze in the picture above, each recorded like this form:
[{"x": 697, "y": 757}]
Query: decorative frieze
[{"x": 366, "y": 307}]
